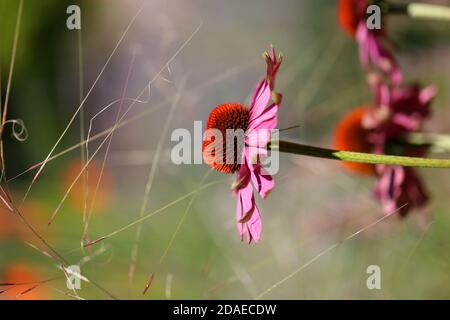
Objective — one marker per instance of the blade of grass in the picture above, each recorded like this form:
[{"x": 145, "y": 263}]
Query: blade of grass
[
  {"x": 150, "y": 179},
  {"x": 84, "y": 237},
  {"x": 177, "y": 228},
  {"x": 66, "y": 129},
  {"x": 139, "y": 116},
  {"x": 8, "y": 85},
  {"x": 325, "y": 251},
  {"x": 153, "y": 213},
  {"x": 81, "y": 117},
  {"x": 122, "y": 117}
]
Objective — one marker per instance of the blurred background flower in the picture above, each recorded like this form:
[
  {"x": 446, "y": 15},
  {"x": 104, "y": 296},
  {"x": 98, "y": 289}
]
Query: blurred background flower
[
  {"x": 23, "y": 283},
  {"x": 90, "y": 194}
]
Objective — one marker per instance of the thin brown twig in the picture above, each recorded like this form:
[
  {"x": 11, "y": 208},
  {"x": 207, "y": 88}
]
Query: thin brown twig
[
  {"x": 150, "y": 179},
  {"x": 66, "y": 129},
  {"x": 92, "y": 204},
  {"x": 326, "y": 250},
  {"x": 8, "y": 85},
  {"x": 124, "y": 122}
]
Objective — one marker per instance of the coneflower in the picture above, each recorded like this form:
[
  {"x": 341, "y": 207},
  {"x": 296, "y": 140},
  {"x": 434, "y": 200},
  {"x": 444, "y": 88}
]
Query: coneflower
[
  {"x": 350, "y": 14},
  {"x": 383, "y": 129},
  {"x": 255, "y": 122},
  {"x": 350, "y": 135},
  {"x": 373, "y": 45},
  {"x": 399, "y": 110}
]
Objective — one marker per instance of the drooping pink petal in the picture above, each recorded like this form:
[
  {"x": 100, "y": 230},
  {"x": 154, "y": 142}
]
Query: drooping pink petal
[
  {"x": 247, "y": 215},
  {"x": 399, "y": 187},
  {"x": 414, "y": 190},
  {"x": 254, "y": 226},
  {"x": 388, "y": 187},
  {"x": 262, "y": 181},
  {"x": 243, "y": 177},
  {"x": 239, "y": 216}
]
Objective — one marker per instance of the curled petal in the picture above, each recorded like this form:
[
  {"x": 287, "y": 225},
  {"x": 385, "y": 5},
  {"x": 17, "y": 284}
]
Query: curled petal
[
  {"x": 273, "y": 64},
  {"x": 254, "y": 226},
  {"x": 239, "y": 216},
  {"x": 264, "y": 90},
  {"x": 243, "y": 176},
  {"x": 248, "y": 218},
  {"x": 247, "y": 201},
  {"x": 399, "y": 187},
  {"x": 388, "y": 187},
  {"x": 262, "y": 181}
]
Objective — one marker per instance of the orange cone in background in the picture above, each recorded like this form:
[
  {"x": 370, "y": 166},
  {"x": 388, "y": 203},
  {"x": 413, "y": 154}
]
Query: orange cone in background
[
  {"x": 351, "y": 136},
  {"x": 7, "y": 228},
  {"x": 37, "y": 216},
  {"x": 25, "y": 283},
  {"x": 76, "y": 197}
]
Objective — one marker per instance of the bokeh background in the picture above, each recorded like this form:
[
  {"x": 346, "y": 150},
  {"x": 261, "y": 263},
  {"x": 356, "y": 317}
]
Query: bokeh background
[{"x": 315, "y": 204}]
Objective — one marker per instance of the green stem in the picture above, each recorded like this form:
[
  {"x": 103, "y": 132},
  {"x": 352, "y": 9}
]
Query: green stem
[
  {"x": 438, "y": 142},
  {"x": 420, "y": 10},
  {"x": 428, "y": 11},
  {"x": 300, "y": 149}
]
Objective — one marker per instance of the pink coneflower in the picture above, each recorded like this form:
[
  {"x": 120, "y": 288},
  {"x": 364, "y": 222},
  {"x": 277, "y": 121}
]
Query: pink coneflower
[
  {"x": 373, "y": 44},
  {"x": 398, "y": 110},
  {"x": 256, "y": 122},
  {"x": 383, "y": 129}
]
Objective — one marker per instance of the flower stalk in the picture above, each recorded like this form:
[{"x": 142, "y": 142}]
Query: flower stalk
[
  {"x": 438, "y": 142},
  {"x": 360, "y": 157},
  {"x": 420, "y": 10}
]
